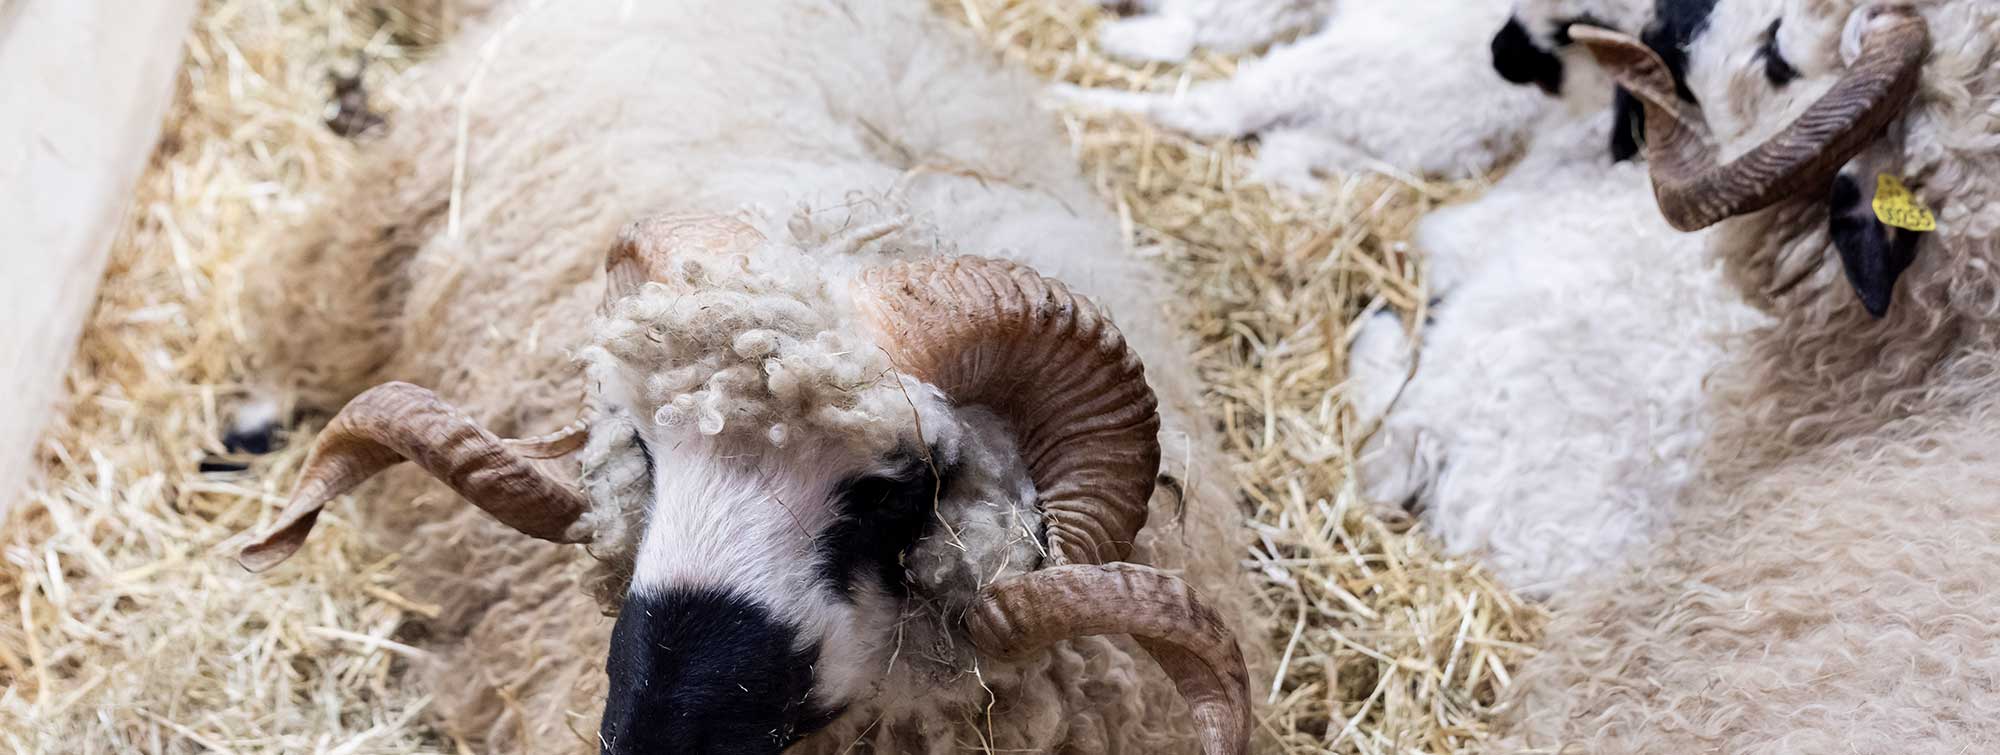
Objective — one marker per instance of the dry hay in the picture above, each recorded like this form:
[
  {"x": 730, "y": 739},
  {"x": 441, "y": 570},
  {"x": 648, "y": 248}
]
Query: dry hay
[
  {"x": 125, "y": 629},
  {"x": 135, "y": 634}
]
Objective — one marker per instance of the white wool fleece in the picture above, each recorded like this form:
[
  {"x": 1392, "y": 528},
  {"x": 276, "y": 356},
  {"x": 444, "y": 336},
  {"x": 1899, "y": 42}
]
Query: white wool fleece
[
  {"x": 1403, "y": 87},
  {"x": 1555, "y": 410},
  {"x": 1170, "y": 30}
]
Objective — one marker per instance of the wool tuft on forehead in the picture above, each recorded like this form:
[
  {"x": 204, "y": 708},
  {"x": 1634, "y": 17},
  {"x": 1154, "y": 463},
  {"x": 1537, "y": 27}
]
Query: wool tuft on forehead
[{"x": 757, "y": 339}]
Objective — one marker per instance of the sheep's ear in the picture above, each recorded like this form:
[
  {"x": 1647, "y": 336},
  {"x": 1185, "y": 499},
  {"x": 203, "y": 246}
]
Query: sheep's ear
[
  {"x": 1519, "y": 60},
  {"x": 1872, "y": 253}
]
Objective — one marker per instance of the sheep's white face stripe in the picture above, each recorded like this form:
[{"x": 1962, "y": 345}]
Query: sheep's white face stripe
[
  {"x": 746, "y": 520},
  {"x": 716, "y": 522}
]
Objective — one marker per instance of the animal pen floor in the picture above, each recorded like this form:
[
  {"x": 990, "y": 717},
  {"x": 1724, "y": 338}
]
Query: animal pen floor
[{"x": 135, "y": 633}]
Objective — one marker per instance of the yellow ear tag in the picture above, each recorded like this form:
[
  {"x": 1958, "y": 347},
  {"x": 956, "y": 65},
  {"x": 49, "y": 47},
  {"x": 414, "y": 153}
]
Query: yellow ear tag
[{"x": 1894, "y": 205}]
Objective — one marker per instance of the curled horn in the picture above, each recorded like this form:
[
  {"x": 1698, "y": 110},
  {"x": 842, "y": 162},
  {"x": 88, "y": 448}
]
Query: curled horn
[
  {"x": 1026, "y": 613},
  {"x": 996, "y": 334},
  {"x": 396, "y": 422},
  {"x": 1695, "y": 192},
  {"x": 1000, "y": 335}
]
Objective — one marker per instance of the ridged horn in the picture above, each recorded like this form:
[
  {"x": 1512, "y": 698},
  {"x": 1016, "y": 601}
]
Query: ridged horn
[
  {"x": 1027, "y": 613},
  {"x": 644, "y": 248},
  {"x": 396, "y": 422},
  {"x": 1695, "y": 192},
  {"x": 999, "y": 335}
]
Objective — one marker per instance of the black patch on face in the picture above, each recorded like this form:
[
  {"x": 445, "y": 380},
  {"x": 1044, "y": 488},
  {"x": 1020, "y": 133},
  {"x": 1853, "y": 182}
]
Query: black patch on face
[
  {"x": 705, "y": 671},
  {"x": 1873, "y": 254},
  {"x": 1628, "y": 125},
  {"x": 251, "y": 440},
  {"x": 881, "y": 517},
  {"x": 1675, "y": 25},
  {"x": 1776, "y": 69},
  {"x": 1518, "y": 60}
]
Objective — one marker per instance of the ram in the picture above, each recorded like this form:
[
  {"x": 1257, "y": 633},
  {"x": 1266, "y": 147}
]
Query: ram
[
  {"x": 1825, "y": 585},
  {"x": 841, "y": 485}
]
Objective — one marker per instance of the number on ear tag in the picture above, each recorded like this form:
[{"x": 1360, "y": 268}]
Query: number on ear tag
[{"x": 1895, "y": 205}]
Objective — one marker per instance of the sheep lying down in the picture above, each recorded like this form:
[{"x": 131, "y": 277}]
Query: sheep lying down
[
  {"x": 1555, "y": 406},
  {"x": 856, "y": 453},
  {"x": 1825, "y": 584},
  {"x": 1555, "y": 409},
  {"x": 1404, "y": 87}
]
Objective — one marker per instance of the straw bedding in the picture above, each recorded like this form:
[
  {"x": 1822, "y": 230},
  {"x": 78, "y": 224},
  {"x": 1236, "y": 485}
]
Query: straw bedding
[{"x": 127, "y": 630}]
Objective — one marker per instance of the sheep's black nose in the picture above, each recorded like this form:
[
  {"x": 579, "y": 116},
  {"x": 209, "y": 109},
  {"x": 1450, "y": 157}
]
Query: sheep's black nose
[
  {"x": 1518, "y": 60},
  {"x": 706, "y": 672}
]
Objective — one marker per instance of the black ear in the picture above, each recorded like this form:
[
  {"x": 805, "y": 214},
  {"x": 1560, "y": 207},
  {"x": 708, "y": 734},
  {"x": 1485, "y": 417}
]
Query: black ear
[
  {"x": 1518, "y": 60},
  {"x": 1628, "y": 125},
  {"x": 1873, "y": 253}
]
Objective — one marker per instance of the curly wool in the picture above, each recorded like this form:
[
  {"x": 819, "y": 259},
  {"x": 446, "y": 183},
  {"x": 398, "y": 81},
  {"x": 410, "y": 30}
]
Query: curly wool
[
  {"x": 753, "y": 343},
  {"x": 1828, "y": 371},
  {"x": 1826, "y": 584}
]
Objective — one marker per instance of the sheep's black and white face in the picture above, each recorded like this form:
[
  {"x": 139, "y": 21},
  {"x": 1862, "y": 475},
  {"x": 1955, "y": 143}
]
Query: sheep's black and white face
[
  {"x": 1535, "y": 47},
  {"x": 772, "y": 588},
  {"x": 1755, "y": 66}
]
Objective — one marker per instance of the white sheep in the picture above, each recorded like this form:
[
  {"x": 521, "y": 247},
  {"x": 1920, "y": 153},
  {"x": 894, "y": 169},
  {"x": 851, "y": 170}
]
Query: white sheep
[
  {"x": 1402, "y": 87},
  {"x": 1555, "y": 409},
  {"x": 1826, "y": 585},
  {"x": 1170, "y": 30},
  {"x": 841, "y": 487}
]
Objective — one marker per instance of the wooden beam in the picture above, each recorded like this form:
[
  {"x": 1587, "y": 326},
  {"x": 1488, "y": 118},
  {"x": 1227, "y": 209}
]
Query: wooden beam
[{"x": 84, "y": 85}]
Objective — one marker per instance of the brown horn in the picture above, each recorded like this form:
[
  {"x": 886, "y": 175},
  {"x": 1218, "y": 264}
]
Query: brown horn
[
  {"x": 644, "y": 248},
  {"x": 1694, "y": 192},
  {"x": 394, "y": 422},
  {"x": 1025, "y": 614},
  {"x": 999, "y": 335}
]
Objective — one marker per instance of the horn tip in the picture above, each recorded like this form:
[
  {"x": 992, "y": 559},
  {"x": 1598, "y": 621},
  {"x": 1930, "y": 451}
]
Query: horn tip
[
  {"x": 266, "y": 553},
  {"x": 276, "y": 544}
]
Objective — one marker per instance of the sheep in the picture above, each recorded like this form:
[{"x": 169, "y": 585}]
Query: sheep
[
  {"x": 1170, "y": 30},
  {"x": 1554, "y": 411},
  {"x": 1365, "y": 92},
  {"x": 839, "y": 485},
  {"x": 1825, "y": 585}
]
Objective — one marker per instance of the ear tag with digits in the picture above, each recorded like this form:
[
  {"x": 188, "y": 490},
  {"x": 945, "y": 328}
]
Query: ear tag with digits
[{"x": 1896, "y": 206}]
